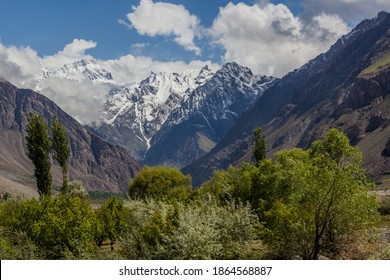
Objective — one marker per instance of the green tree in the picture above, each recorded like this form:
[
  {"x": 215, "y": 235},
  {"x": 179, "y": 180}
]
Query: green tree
[
  {"x": 320, "y": 199},
  {"x": 61, "y": 150},
  {"x": 61, "y": 227},
  {"x": 259, "y": 145},
  {"x": 110, "y": 221},
  {"x": 235, "y": 183},
  {"x": 160, "y": 182},
  {"x": 38, "y": 148}
]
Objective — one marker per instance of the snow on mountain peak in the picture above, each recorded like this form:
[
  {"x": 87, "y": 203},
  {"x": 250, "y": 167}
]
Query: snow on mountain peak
[
  {"x": 80, "y": 70},
  {"x": 143, "y": 107}
]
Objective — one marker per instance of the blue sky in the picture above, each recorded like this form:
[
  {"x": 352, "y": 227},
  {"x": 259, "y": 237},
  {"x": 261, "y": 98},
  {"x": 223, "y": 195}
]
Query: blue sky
[
  {"x": 47, "y": 26},
  {"x": 131, "y": 38}
]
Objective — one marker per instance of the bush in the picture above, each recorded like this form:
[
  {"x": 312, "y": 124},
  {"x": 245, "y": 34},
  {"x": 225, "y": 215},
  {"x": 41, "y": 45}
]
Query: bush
[
  {"x": 208, "y": 231},
  {"x": 60, "y": 227},
  {"x": 161, "y": 183},
  {"x": 110, "y": 221}
]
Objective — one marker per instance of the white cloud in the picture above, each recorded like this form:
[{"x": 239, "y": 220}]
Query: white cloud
[
  {"x": 72, "y": 52},
  {"x": 83, "y": 99},
  {"x": 352, "y": 11},
  {"x": 20, "y": 65},
  {"x": 269, "y": 39},
  {"x": 165, "y": 19}
]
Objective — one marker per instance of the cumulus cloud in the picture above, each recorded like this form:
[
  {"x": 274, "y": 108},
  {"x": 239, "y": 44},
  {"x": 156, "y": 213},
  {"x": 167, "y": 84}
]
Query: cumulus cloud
[
  {"x": 20, "y": 65},
  {"x": 83, "y": 100},
  {"x": 352, "y": 11},
  {"x": 72, "y": 52},
  {"x": 165, "y": 19},
  {"x": 271, "y": 40},
  {"x": 23, "y": 67}
]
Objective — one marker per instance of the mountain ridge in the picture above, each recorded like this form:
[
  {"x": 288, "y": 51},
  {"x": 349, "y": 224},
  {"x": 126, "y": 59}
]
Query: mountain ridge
[
  {"x": 99, "y": 164},
  {"x": 309, "y": 100}
]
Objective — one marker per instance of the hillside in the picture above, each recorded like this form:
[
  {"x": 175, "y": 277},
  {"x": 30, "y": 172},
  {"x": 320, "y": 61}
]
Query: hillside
[
  {"x": 346, "y": 88},
  {"x": 99, "y": 164}
]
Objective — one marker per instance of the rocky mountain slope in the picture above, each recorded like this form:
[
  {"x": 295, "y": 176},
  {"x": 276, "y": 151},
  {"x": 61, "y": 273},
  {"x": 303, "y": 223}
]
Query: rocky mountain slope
[
  {"x": 175, "y": 118},
  {"x": 133, "y": 115},
  {"x": 347, "y": 87},
  {"x": 99, "y": 164},
  {"x": 202, "y": 119}
]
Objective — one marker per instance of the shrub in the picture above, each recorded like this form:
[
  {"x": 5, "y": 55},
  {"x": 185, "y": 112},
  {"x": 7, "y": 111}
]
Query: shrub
[{"x": 161, "y": 183}]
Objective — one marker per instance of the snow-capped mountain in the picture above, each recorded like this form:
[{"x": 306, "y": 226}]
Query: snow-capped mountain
[
  {"x": 193, "y": 128},
  {"x": 80, "y": 70},
  {"x": 142, "y": 116},
  {"x": 132, "y": 116}
]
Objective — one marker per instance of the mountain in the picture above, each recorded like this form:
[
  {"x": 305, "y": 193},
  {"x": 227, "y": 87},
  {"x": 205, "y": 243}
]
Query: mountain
[
  {"x": 80, "y": 70},
  {"x": 132, "y": 116},
  {"x": 347, "y": 88},
  {"x": 202, "y": 119},
  {"x": 173, "y": 119},
  {"x": 192, "y": 109},
  {"x": 99, "y": 164}
]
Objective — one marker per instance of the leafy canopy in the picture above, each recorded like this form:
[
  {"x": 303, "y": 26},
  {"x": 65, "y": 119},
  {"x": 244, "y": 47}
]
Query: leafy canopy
[{"x": 160, "y": 182}]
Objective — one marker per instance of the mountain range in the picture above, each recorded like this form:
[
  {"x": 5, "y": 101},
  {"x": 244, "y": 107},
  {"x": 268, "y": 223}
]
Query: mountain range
[
  {"x": 202, "y": 121},
  {"x": 347, "y": 88},
  {"x": 168, "y": 118}
]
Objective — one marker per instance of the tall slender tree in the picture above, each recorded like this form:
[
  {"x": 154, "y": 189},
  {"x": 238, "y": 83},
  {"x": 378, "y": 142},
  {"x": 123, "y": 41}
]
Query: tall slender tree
[
  {"x": 60, "y": 146},
  {"x": 38, "y": 148},
  {"x": 259, "y": 149}
]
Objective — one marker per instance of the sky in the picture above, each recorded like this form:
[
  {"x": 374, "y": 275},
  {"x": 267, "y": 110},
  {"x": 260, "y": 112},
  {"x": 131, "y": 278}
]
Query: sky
[{"x": 133, "y": 37}]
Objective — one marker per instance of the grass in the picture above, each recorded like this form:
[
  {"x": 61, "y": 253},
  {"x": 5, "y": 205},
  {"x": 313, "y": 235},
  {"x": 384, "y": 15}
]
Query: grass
[{"x": 379, "y": 65}]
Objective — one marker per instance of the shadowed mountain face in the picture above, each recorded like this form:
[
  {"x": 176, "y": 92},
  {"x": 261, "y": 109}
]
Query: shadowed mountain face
[
  {"x": 201, "y": 120},
  {"x": 347, "y": 88},
  {"x": 98, "y": 164}
]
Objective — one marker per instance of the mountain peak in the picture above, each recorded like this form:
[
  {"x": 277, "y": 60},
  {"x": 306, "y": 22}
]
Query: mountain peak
[
  {"x": 381, "y": 15},
  {"x": 233, "y": 68},
  {"x": 80, "y": 70}
]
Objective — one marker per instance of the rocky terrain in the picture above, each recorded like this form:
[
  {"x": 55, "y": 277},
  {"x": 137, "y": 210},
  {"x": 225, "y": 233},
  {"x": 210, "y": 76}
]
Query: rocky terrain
[
  {"x": 346, "y": 88},
  {"x": 99, "y": 164}
]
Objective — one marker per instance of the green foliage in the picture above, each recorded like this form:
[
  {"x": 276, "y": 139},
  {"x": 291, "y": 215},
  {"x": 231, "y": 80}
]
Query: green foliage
[
  {"x": 150, "y": 223},
  {"x": 209, "y": 231},
  {"x": 160, "y": 182},
  {"x": 16, "y": 245},
  {"x": 110, "y": 221},
  {"x": 60, "y": 227},
  {"x": 232, "y": 184},
  {"x": 301, "y": 204},
  {"x": 201, "y": 229},
  {"x": 310, "y": 202},
  {"x": 61, "y": 150},
  {"x": 38, "y": 148},
  {"x": 321, "y": 200},
  {"x": 259, "y": 145}
]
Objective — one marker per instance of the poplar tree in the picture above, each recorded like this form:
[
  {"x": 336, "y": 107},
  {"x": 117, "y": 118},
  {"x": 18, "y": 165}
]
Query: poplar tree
[
  {"x": 259, "y": 149},
  {"x": 38, "y": 148},
  {"x": 60, "y": 146}
]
